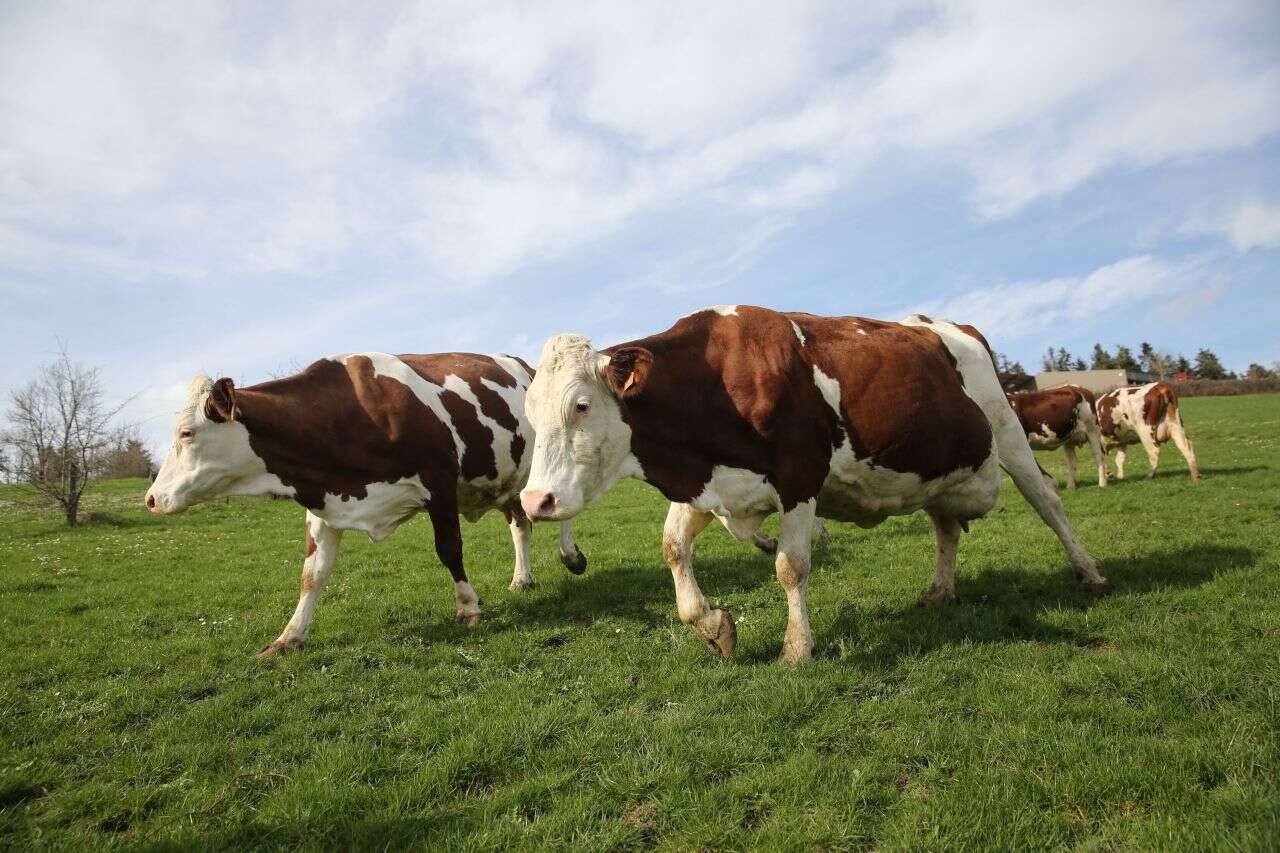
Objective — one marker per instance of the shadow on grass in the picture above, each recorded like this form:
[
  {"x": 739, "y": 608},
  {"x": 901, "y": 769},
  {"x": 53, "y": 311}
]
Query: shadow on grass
[
  {"x": 995, "y": 606},
  {"x": 1004, "y": 605},
  {"x": 1174, "y": 471}
]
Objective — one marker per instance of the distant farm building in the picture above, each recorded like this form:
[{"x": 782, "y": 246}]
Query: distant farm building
[{"x": 1097, "y": 381}]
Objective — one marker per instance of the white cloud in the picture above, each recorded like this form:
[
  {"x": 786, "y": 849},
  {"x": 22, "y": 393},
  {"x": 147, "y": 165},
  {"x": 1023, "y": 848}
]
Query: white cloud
[
  {"x": 1017, "y": 310},
  {"x": 1249, "y": 225},
  {"x": 1254, "y": 226},
  {"x": 469, "y": 141}
]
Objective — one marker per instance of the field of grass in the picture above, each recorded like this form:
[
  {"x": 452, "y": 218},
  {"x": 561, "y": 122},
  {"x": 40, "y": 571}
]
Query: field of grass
[{"x": 583, "y": 714}]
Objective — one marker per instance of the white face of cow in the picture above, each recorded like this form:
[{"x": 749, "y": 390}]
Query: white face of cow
[
  {"x": 581, "y": 441},
  {"x": 210, "y": 456}
]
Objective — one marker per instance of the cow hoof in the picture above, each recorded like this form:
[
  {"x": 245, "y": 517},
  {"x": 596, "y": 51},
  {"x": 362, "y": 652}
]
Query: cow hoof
[
  {"x": 521, "y": 584},
  {"x": 471, "y": 620},
  {"x": 718, "y": 631},
  {"x": 766, "y": 544},
  {"x": 1101, "y": 586},
  {"x": 934, "y": 596},
  {"x": 575, "y": 562},
  {"x": 279, "y": 647},
  {"x": 795, "y": 653}
]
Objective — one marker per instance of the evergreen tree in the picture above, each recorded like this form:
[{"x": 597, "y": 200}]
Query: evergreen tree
[
  {"x": 1208, "y": 366},
  {"x": 1102, "y": 359},
  {"x": 1124, "y": 359},
  {"x": 1182, "y": 365},
  {"x": 1079, "y": 365}
]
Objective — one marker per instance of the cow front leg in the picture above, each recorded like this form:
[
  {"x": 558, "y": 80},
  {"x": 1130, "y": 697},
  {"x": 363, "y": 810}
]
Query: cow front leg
[
  {"x": 792, "y": 568},
  {"x": 1120, "y": 457},
  {"x": 570, "y": 554},
  {"x": 1070, "y": 453},
  {"x": 1099, "y": 456},
  {"x": 522, "y": 539},
  {"x": 317, "y": 563},
  {"x": 713, "y": 627},
  {"x": 943, "y": 589},
  {"x": 448, "y": 535}
]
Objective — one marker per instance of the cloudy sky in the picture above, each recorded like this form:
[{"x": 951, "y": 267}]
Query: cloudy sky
[{"x": 241, "y": 188}]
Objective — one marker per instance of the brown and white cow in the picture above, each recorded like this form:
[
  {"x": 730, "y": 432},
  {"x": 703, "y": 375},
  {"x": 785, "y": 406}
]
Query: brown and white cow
[
  {"x": 365, "y": 441},
  {"x": 1148, "y": 414},
  {"x": 1061, "y": 417},
  {"x": 736, "y": 413}
]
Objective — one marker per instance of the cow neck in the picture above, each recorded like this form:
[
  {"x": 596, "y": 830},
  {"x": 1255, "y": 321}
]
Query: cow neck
[
  {"x": 685, "y": 425},
  {"x": 278, "y": 426}
]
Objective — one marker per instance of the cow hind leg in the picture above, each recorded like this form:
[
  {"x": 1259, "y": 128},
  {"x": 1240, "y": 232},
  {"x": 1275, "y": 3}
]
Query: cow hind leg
[
  {"x": 1019, "y": 462},
  {"x": 448, "y": 535},
  {"x": 713, "y": 627},
  {"x": 1120, "y": 459},
  {"x": 522, "y": 539},
  {"x": 792, "y": 568},
  {"x": 1183, "y": 443},
  {"x": 317, "y": 564},
  {"x": 943, "y": 588},
  {"x": 1070, "y": 453},
  {"x": 570, "y": 554},
  {"x": 1149, "y": 443}
]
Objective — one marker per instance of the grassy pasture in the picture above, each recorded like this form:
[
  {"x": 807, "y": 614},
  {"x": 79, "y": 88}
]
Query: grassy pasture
[{"x": 583, "y": 714}]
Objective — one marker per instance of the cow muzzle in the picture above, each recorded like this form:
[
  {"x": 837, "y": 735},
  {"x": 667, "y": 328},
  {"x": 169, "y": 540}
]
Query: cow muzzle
[{"x": 541, "y": 505}]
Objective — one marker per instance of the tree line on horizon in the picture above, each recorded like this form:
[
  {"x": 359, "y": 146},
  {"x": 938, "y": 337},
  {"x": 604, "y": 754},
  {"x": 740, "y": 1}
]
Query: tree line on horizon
[{"x": 1148, "y": 359}]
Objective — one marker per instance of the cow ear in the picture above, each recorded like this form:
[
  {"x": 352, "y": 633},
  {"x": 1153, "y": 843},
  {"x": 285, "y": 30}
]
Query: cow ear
[
  {"x": 627, "y": 370},
  {"x": 221, "y": 405}
]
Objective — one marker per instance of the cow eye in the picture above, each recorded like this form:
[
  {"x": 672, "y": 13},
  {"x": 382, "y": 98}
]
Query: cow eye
[
  {"x": 186, "y": 433},
  {"x": 583, "y": 406}
]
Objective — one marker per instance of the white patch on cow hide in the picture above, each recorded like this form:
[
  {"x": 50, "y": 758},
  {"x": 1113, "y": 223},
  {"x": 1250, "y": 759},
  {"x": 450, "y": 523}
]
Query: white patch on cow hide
[
  {"x": 722, "y": 310},
  {"x": 380, "y": 512},
  {"x": 740, "y": 498},
  {"x": 799, "y": 334},
  {"x": 830, "y": 389}
]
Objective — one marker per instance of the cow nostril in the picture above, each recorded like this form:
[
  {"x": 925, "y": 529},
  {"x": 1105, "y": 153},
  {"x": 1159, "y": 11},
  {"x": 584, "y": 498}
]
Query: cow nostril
[
  {"x": 547, "y": 503},
  {"x": 151, "y": 501}
]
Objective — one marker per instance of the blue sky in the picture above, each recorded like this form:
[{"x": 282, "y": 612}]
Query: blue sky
[{"x": 242, "y": 188}]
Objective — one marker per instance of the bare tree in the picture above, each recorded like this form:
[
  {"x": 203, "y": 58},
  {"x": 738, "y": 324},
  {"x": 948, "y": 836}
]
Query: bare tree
[{"x": 60, "y": 430}]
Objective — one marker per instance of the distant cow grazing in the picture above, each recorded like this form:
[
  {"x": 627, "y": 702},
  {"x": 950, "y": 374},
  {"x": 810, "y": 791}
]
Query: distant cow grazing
[
  {"x": 365, "y": 441},
  {"x": 1061, "y": 417},
  {"x": 1148, "y": 414},
  {"x": 737, "y": 413}
]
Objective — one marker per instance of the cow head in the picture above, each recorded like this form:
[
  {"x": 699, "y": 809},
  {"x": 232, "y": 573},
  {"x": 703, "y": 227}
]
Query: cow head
[
  {"x": 581, "y": 441},
  {"x": 210, "y": 456}
]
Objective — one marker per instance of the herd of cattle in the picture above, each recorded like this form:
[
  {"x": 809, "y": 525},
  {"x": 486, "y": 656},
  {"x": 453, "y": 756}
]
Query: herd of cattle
[{"x": 734, "y": 413}]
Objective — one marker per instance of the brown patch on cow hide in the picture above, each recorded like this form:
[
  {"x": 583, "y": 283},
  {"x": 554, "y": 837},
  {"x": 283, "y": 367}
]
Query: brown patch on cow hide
[
  {"x": 748, "y": 385},
  {"x": 1057, "y": 409},
  {"x": 1158, "y": 402},
  {"x": 1106, "y": 407},
  {"x": 311, "y": 544}
]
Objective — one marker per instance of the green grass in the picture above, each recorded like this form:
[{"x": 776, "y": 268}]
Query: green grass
[{"x": 584, "y": 715}]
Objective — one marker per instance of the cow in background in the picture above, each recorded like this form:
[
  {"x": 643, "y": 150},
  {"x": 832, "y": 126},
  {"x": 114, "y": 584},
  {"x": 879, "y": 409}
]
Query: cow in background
[
  {"x": 1148, "y": 414},
  {"x": 365, "y": 441},
  {"x": 735, "y": 413},
  {"x": 1062, "y": 417}
]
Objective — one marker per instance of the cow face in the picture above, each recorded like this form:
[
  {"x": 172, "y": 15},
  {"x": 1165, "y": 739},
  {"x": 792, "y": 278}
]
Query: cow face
[
  {"x": 210, "y": 456},
  {"x": 581, "y": 441}
]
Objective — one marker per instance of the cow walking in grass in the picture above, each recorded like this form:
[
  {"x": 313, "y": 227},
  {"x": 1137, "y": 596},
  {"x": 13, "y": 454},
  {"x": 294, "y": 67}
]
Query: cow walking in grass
[
  {"x": 1062, "y": 417},
  {"x": 1148, "y": 415},
  {"x": 365, "y": 441},
  {"x": 736, "y": 413}
]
